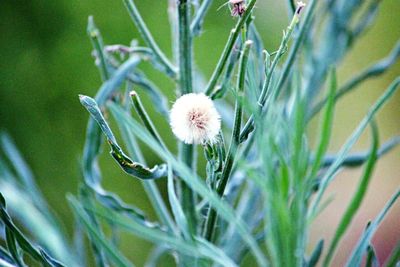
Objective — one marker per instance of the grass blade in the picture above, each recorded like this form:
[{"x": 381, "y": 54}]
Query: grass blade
[
  {"x": 158, "y": 236},
  {"x": 357, "y": 197},
  {"x": 362, "y": 245},
  {"x": 329, "y": 175},
  {"x": 326, "y": 128},
  {"x": 113, "y": 254}
]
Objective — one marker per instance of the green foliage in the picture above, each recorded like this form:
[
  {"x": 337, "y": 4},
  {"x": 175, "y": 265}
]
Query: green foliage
[{"x": 261, "y": 192}]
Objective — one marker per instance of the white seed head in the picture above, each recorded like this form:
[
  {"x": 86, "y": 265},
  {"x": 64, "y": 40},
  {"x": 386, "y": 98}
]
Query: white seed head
[{"x": 194, "y": 119}]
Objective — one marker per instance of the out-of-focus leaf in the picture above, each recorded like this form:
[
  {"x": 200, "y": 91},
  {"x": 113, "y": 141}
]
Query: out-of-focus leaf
[
  {"x": 176, "y": 207},
  {"x": 5, "y": 256},
  {"x": 22, "y": 241},
  {"x": 4, "y": 263},
  {"x": 364, "y": 241},
  {"x": 372, "y": 258},
  {"x": 13, "y": 249},
  {"x": 113, "y": 253},
  {"x": 316, "y": 254},
  {"x": 394, "y": 257},
  {"x": 201, "y": 248},
  {"x": 330, "y": 173},
  {"x": 326, "y": 128},
  {"x": 357, "y": 198}
]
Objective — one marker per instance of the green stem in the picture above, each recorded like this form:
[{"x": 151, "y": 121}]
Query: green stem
[
  {"x": 97, "y": 43},
  {"x": 197, "y": 22},
  {"x": 235, "y": 141},
  {"x": 186, "y": 152},
  {"x": 137, "y": 103},
  {"x": 148, "y": 38},
  {"x": 228, "y": 48},
  {"x": 266, "y": 90},
  {"x": 297, "y": 44}
]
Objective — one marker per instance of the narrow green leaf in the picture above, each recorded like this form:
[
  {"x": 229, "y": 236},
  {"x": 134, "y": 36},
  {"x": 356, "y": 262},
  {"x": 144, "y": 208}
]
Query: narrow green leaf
[
  {"x": 394, "y": 257},
  {"x": 97, "y": 43},
  {"x": 330, "y": 173},
  {"x": 113, "y": 254},
  {"x": 372, "y": 259},
  {"x": 200, "y": 249},
  {"x": 326, "y": 128},
  {"x": 356, "y": 201},
  {"x": 19, "y": 237},
  {"x": 13, "y": 248},
  {"x": 364, "y": 241},
  {"x": 176, "y": 207},
  {"x": 316, "y": 254}
]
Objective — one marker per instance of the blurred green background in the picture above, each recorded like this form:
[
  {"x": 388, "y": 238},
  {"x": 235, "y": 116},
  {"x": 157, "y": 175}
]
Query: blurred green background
[{"x": 45, "y": 62}]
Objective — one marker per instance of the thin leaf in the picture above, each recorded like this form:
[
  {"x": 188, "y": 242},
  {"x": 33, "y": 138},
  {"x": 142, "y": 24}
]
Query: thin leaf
[
  {"x": 113, "y": 253},
  {"x": 394, "y": 257},
  {"x": 176, "y": 207},
  {"x": 357, "y": 198},
  {"x": 160, "y": 237},
  {"x": 361, "y": 247},
  {"x": 326, "y": 128},
  {"x": 19, "y": 237},
  {"x": 316, "y": 254},
  {"x": 13, "y": 248},
  {"x": 133, "y": 168},
  {"x": 329, "y": 175},
  {"x": 372, "y": 258}
]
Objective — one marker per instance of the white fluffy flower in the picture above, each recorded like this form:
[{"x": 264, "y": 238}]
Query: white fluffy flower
[{"x": 194, "y": 119}]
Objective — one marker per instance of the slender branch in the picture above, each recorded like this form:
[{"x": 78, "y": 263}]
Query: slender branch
[
  {"x": 235, "y": 141},
  {"x": 137, "y": 103},
  {"x": 185, "y": 47},
  {"x": 148, "y": 38},
  {"x": 228, "y": 48},
  {"x": 303, "y": 29},
  {"x": 358, "y": 159},
  {"x": 197, "y": 21},
  {"x": 266, "y": 90},
  {"x": 97, "y": 43},
  {"x": 186, "y": 152}
]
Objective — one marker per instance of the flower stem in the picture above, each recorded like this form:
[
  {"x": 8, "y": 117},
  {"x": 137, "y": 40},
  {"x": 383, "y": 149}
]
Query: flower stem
[
  {"x": 148, "y": 38},
  {"x": 235, "y": 141},
  {"x": 266, "y": 92},
  {"x": 186, "y": 152},
  {"x": 228, "y": 48},
  {"x": 197, "y": 22}
]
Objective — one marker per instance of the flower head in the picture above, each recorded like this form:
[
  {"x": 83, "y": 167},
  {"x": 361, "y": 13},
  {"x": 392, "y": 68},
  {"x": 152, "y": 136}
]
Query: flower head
[{"x": 194, "y": 119}]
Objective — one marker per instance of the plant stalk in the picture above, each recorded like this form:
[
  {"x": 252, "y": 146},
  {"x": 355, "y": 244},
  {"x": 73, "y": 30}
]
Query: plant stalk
[
  {"x": 228, "y": 48},
  {"x": 235, "y": 141},
  {"x": 186, "y": 152}
]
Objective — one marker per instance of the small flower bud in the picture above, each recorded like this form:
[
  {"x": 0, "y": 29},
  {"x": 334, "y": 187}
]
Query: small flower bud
[
  {"x": 238, "y": 7},
  {"x": 300, "y": 6},
  {"x": 194, "y": 119}
]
